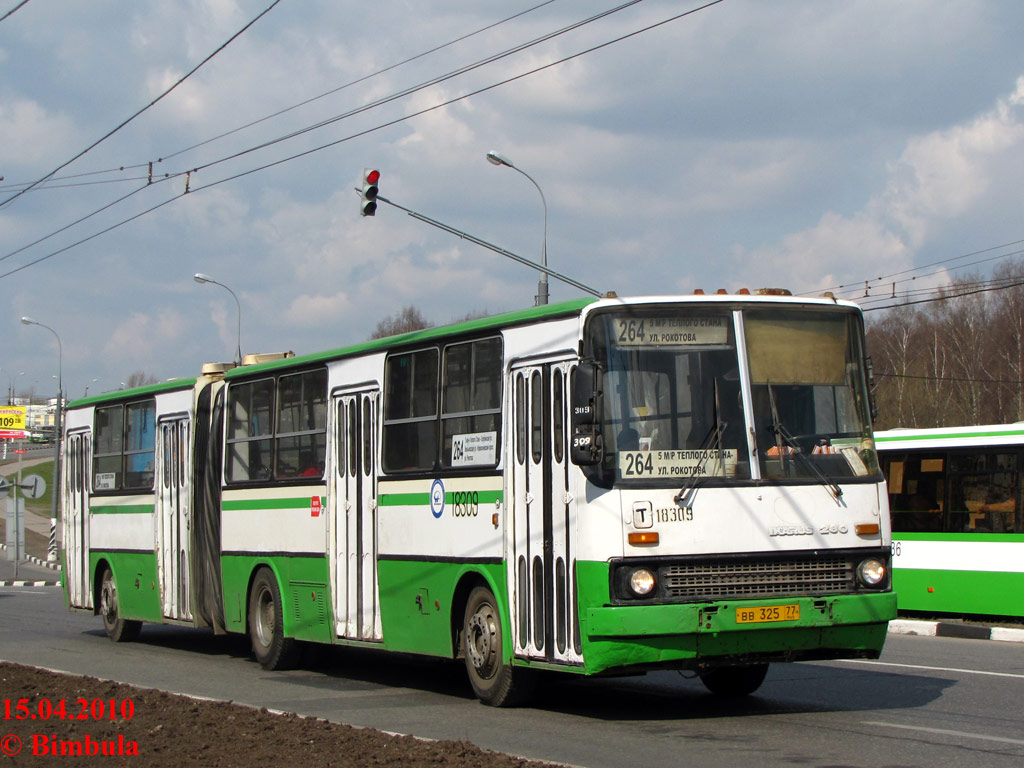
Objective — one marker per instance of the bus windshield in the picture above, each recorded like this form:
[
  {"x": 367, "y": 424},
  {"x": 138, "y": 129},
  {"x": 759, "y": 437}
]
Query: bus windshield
[{"x": 673, "y": 405}]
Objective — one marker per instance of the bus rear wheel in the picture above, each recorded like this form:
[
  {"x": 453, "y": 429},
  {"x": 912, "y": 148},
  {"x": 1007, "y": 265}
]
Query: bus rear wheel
[
  {"x": 119, "y": 630},
  {"x": 495, "y": 682},
  {"x": 734, "y": 681},
  {"x": 266, "y": 624}
]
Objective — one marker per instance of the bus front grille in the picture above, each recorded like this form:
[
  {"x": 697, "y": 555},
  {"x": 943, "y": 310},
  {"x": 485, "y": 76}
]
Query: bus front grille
[{"x": 777, "y": 577}]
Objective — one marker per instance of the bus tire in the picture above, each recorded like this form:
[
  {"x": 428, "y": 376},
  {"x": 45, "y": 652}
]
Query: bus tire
[
  {"x": 266, "y": 624},
  {"x": 495, "y": 682},
  {"x": 118, "y": 629},
  {"x": 734, "y": 681}
]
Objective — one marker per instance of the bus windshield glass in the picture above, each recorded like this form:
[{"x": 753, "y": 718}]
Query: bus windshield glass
[
  {"x": 809, "y": 392},
  {"x": 673, "y": 407},
  {"x": 672, "y": 396}
]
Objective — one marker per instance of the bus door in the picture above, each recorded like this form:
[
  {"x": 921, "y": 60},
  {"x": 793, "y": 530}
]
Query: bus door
[
  {"x": 174, "y": 526},
  {"x": 77, "y": 481},
  {"x": 353, "y": 511},
  {"x": 543, "y": 532}
]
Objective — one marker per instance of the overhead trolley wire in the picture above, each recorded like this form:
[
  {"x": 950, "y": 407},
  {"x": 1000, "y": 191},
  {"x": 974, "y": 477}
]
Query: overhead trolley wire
[
  {"x": 367, "y": 131},
  {"x": 139, "y": 112},
  {"x": 15, "y": 8},
  {"x": 295, "y": 106},
  {"x": 337, "y": 118},
  {"x": 429, "y": 83},
  {"x": 362, "y": 79}
]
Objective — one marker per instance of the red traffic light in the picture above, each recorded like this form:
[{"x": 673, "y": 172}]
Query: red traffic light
[{"x": 368, "y": 192}]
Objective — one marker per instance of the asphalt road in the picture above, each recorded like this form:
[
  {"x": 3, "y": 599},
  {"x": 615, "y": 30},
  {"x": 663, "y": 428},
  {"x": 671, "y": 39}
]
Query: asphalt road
[{"x": 929, "y": 701}]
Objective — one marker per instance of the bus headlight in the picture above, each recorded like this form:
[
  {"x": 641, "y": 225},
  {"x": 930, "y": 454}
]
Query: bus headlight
[
  {"x": 871, "y": 572},
  {"x": 641, "y": 581}
]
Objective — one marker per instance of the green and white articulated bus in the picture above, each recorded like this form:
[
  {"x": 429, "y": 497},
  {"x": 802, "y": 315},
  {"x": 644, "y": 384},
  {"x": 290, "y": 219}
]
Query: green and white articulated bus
[
  {"x": 600, "y": 486},
  {"x": 958, "y": 518}
]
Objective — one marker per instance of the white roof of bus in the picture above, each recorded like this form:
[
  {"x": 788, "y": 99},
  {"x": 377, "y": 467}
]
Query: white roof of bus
[{"x": 950, "y": 437}]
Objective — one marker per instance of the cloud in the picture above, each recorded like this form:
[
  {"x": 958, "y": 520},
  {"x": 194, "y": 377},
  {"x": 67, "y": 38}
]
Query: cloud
[
  {"x": 27, "y": 132},
  {"x": 938, "y": 177}
]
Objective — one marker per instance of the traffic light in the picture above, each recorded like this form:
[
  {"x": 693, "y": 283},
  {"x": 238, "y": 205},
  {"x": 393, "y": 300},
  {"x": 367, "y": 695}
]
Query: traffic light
[{"x": 368, "y": 193}]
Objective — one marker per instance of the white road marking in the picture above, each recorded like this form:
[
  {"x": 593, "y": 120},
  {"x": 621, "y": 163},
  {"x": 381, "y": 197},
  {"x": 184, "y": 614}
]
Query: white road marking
[{"x": 944, "y": 732}]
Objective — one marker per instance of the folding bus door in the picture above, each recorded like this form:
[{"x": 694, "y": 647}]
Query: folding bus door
[
  {"x": 353, "y": 510},
  {"x": 543, "y": 533},
  {"x": 174, "y": 516},
  {"x": 77, "y": 476}
]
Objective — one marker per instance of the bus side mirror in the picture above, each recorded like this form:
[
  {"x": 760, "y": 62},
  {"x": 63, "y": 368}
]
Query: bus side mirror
[
  {"x": 586, "y": 447},
  {"x": 586, "y": 396}
]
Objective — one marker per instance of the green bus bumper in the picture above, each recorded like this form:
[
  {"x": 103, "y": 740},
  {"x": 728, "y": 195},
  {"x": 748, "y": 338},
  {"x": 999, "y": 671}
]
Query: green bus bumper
[{"x": 690, "y": 635}]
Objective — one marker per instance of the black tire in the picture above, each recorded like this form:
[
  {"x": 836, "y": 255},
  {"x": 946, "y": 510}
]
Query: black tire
[
  {"x": 119, "y": 630},
  {"x": 734, "y": 681},
  {"x": 266, "y": 626},
  {"x": 495, "y": 682}
]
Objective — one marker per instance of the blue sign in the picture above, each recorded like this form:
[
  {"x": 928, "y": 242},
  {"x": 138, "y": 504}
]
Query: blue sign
[{"x": 437, "y": 498}]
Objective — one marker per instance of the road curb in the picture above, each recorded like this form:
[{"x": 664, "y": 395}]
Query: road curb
[
  {"x": 955, "y": 629},
  {"x": 21, "y": 583},
  {"x": 53, "y": 566}
]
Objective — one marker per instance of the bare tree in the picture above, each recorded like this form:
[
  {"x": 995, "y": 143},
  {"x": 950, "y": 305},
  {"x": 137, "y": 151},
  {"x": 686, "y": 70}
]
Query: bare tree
[
  {"x": 405, "y": 320},
  {"x": 140, "y": 379}
]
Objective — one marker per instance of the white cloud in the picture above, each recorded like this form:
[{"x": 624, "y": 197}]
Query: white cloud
[
  {"x": 29, "y": 136},
  {"x": 939, "y": 177}
]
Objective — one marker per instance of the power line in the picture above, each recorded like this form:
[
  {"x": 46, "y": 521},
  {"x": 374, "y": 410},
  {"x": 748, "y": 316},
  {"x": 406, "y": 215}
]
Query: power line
[
  {"x": 405, "y": 92},
  {"x": 306, "y": 101},
  {"x": 388, "y": 68},
  {"x": 957, "y": 295},
  {"x": 945, "y": 378},
  {"x": 358, "y": 134},
  {"x": 866, "y": 284},
  {"x": 158, "y": 98},
  {"x": 15, "y": 8},
  {"x": 378, "y": 102}
]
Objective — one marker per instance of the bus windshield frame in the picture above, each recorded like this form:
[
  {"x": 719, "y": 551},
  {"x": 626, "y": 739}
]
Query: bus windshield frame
[{"x": 731, "y": 394}]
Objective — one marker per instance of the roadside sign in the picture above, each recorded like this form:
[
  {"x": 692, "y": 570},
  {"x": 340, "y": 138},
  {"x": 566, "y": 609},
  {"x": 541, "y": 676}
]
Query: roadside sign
[
  {"x": 33, "y": 487},
  {"x": 13, "y": 434},
  {"x": 12, "y": 417}
]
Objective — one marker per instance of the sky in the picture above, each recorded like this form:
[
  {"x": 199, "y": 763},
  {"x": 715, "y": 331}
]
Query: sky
[{"x": 805, "y": 145}]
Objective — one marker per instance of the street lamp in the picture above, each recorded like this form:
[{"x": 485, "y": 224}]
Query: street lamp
[
  {"x": 52, "y": 550},
  {"x": 542, "y": 285},
  {"x": 199, "y": 277}
]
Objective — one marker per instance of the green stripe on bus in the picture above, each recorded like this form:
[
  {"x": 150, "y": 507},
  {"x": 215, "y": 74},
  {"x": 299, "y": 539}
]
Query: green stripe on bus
[
  {"x": 948, "y": 436},
  {"x": 417, "y": 499},
  {"x": 403, "y": 499},
  {"x": 127, "y": 509},
  {"x": 302, "y": 502},
  {"x": 958, "y": 537}
]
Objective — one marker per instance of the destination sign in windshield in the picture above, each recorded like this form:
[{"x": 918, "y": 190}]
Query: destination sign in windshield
[
  {"x": 671, "y": 331},
  {"x": 709, "y": 462}
]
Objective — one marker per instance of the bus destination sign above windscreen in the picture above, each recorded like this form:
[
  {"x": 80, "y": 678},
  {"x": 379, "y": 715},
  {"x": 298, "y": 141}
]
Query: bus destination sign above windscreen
[{"x": 671, "y": 331}]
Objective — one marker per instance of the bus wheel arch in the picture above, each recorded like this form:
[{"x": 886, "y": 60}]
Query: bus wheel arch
[
  {"x": 495, "y": 681},
  {"x": 265, "y": 622},
  {"x": 105, "y": 603}
]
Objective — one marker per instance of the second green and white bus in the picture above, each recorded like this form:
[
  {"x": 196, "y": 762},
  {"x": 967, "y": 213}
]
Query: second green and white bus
[{"x": 599, "y": 486}]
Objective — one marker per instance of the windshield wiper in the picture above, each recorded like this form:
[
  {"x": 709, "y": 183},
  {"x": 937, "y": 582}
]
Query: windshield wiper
[
  {"x": 713, "y": 438},
  {"x": 782, "y": 434}
]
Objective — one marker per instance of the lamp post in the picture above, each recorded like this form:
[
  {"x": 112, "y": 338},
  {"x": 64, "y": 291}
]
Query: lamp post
[
  {"x": 542, "y": 284},
  {"x": 199, "y": 277},
  {"x": 52, "y": 549}
]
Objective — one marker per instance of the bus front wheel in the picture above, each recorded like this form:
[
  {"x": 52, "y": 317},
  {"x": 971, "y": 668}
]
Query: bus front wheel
[
  {"x": 266, "y": 624},
  {"x": 734, "y": 681},
  {"x": 495, "y": 682},
  {"x": 119, "y": 630}
]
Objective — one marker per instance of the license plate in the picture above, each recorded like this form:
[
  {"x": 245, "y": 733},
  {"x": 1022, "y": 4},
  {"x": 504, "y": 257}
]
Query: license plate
[{"x": 759, "y": 614}]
